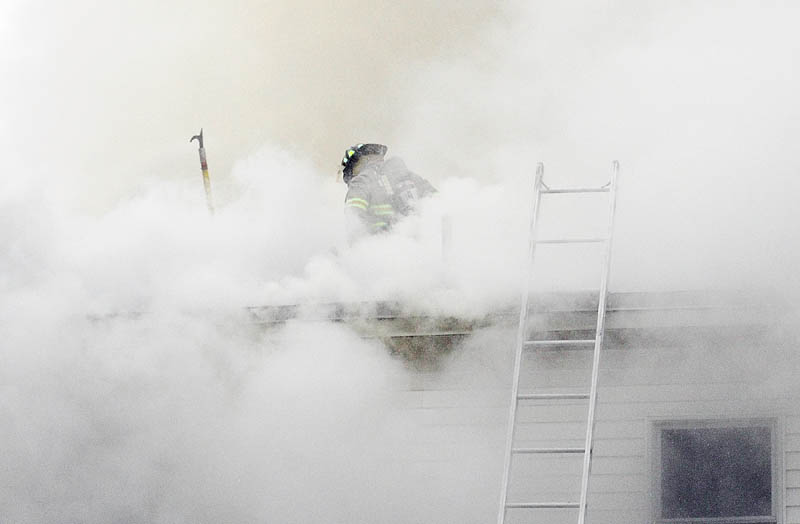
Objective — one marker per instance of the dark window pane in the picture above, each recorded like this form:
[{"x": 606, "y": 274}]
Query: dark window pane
[{"x": 716, "y": 472}]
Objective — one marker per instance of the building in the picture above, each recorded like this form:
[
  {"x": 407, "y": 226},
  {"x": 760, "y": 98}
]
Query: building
[{"x": 698, "y": 416}]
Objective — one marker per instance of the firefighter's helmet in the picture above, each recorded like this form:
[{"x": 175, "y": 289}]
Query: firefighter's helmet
[{"x": 354, "y": 153}]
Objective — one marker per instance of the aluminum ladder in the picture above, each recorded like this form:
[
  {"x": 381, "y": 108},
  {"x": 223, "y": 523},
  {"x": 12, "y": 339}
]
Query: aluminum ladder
[{"x": 540, "y": 188}]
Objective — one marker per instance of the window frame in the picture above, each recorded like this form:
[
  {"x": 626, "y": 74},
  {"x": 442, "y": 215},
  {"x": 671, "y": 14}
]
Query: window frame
[{"x": 773, "y": 423}]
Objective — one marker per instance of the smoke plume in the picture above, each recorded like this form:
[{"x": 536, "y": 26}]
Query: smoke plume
[{"x": 134, "y": 387}]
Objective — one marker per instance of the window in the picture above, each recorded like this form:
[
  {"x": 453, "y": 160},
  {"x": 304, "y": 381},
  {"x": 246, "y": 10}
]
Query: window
[{"x": 715, "y": 472}]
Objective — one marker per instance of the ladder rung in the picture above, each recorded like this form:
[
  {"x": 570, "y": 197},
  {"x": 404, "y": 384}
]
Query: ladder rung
[
  {"x": 532, "y": 451},
  {"x": 574, "y": 342},
  {"x": 541, "y": 505},
  {"x": 572, "y": 240},
  {"x": 604, "y": 189},
  {"x": 553, "y": 396}
]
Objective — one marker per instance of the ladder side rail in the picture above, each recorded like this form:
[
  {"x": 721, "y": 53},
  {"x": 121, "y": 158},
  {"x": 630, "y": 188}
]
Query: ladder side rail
[
  {"x": 601, "y": 315},
  {"x": 521, "y": 336}
]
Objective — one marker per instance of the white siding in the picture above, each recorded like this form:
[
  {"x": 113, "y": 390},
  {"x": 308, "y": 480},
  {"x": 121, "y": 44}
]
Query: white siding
[
  {"x": 638, "y": 385},
  {"x": 792, "y": 449}
]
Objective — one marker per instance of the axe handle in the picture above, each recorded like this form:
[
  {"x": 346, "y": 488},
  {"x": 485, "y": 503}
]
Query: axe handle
[{"x": 206, "y": 179}]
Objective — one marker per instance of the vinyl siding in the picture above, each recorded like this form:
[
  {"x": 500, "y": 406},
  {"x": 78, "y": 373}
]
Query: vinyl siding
[
  {"x": 792, "y": 461},
  {"x": 638, "y": 385}
]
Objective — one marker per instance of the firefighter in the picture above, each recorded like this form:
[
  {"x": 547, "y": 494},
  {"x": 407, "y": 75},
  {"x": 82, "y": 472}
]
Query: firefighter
[{"x": 379, "y": 191}]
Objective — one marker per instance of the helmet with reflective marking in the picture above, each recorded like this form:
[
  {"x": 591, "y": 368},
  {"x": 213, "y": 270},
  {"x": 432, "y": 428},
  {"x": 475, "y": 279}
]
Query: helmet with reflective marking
[{"x": 354, "y": 154}]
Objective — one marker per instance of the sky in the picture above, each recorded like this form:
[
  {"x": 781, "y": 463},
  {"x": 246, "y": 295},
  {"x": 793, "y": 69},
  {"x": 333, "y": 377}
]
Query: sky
[{"x": 102, "y": 212}]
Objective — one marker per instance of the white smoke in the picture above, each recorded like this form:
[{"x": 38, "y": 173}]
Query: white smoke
[
  {"x": 134, "y": 388},
  {"x": 138, "y": 389}
]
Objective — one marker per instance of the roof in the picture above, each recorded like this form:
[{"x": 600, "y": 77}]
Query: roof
[{"x": 641, "y": 318}]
